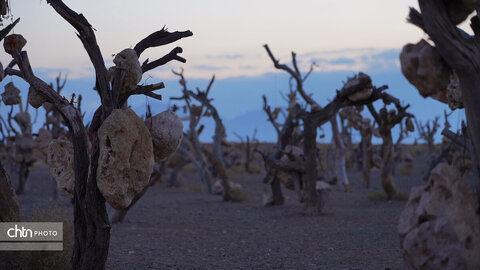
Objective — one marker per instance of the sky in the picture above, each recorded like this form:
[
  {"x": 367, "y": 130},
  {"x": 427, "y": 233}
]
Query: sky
[{"x": 341, "y": 37}]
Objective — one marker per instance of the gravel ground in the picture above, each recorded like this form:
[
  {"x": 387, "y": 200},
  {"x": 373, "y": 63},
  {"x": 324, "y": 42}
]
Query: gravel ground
[{"x": 182, "y": 228}]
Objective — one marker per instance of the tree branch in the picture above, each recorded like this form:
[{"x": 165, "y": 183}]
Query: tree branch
[
  {"x": 4, "y": 32},
  {"x": 87, "y": 36},
  {"x": 172, "y": 55},
  {"x": 160, "y": 38}
]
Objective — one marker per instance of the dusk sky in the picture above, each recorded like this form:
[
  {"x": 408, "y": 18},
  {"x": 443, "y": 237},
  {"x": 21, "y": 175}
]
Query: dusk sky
[{"x": 342, "y": 37}]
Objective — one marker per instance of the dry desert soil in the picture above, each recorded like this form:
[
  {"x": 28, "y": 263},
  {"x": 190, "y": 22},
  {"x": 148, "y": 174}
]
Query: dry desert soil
[{"x": 183, "y": 228}]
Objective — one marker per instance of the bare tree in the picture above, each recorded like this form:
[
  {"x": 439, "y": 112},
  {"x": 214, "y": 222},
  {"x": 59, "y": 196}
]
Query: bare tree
[
  {"x": 386, "y": 120},
  {"x": 285, "y": 136},
  {"x": 22, "y": 151},
  {"x": 460, "y": 57},
  {"x": 214, "y": 156},
  {"x": 427, "y": 132},
  {"x": 356, "y": 91},
  {"x": 92, "y": 228},
  {"x": 9, "y": 210},
  {"x": 248, "y": 148},
  {"x": 365, "y": 128}
]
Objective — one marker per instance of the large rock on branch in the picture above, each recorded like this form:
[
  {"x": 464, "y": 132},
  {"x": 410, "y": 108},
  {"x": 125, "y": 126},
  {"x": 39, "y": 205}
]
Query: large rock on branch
[
  {"x": 126, "y": 157},
  {"x": 423, "y": 66},
  {"x": 60, "y": 161},
  {"x": 167, "y": 133},
  {"x": 127, "y": 60},
  {"x": 11, "y": 96},
  {"x": 440, "y": 225}
]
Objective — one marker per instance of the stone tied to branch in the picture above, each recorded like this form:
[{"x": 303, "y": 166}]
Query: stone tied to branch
[
  {"x": 167, "y": 133},
  {"x": 423, "y": 66},
  {"x": 440, "y": 225},
  {"x": 60, "y": 161},
  {"x": 126, "y": 157},
  {"x": 14, "y": 43},
  {"x": 362, "y": 94},
  {"x": 11, "y": 96},
  {"x": 35, "y": 98},
  {"x": 132, "y": 74}
]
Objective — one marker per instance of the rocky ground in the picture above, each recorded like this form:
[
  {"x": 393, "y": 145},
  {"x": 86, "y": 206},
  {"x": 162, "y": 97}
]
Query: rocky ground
[{"x": 182, "y": 228}]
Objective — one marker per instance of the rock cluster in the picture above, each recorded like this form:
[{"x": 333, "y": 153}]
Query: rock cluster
[{"x": 440, "y": 225}]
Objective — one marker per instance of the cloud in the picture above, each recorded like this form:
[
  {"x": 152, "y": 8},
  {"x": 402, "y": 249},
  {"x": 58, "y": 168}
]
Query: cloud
[
  {"x": 227, "y": 56},
  {"x": 392, "y": 54},
  {"x": 342, "y": 61},
  {"x": 254, "y": 64},
  {"x": 209, "y": 67}
]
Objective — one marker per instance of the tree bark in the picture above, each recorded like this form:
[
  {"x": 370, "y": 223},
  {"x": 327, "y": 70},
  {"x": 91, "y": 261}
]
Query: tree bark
[
  {"x": 277, "y": 195},
  {"x": 471, "y": 89},
  {"x": 387, "y": 164},
  {"x": 92, "y": 228},
  {"x": 23, "y": 174},
  {"x": 462, "y": 53},
  {"x": 340, "y": 155},
  {"x": 200, "y": 164},
  {"x": 366, "y": 152},
  {"x": 310, "y": 179},
  {"x": 9, "y": 210}
]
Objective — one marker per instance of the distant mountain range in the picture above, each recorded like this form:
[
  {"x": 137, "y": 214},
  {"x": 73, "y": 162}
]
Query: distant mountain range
[{"x": 239, "y": 99}]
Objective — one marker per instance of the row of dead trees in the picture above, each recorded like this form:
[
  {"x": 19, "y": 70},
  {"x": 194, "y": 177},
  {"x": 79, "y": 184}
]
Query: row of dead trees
[{"x": 296, "y": 162}]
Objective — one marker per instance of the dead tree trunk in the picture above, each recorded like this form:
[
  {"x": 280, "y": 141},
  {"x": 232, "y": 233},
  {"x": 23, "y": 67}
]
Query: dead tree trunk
[
  {"x": 366, "y": 151},
  {"x": 216, "y": 156},
  {"x": 201, "y": 168},
  {"x": 9, "y": 210},
  {"x": 357, "y": 91},
  {"x": 340, "y": 156},
  {"x": 285, "y": 136},
  {"x": 387, "y": 164},
  {"x": 92, "y": 228},
  {"x": 23, "y": 174},
  {"x": 460, "y": 51},
  {"x": 386, "y": 120},
  {"x": 310, "y": 179}
]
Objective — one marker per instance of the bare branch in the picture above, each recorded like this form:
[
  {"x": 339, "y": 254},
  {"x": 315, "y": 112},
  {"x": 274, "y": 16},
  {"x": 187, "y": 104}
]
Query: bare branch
[
  {"x": 160, "y": 38},
  {"x": 294, "y": 74},
  {"x": 87, "y": 36},
  {"x": 4, "y": 32},
  {"x": 172, "y": 55}
]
